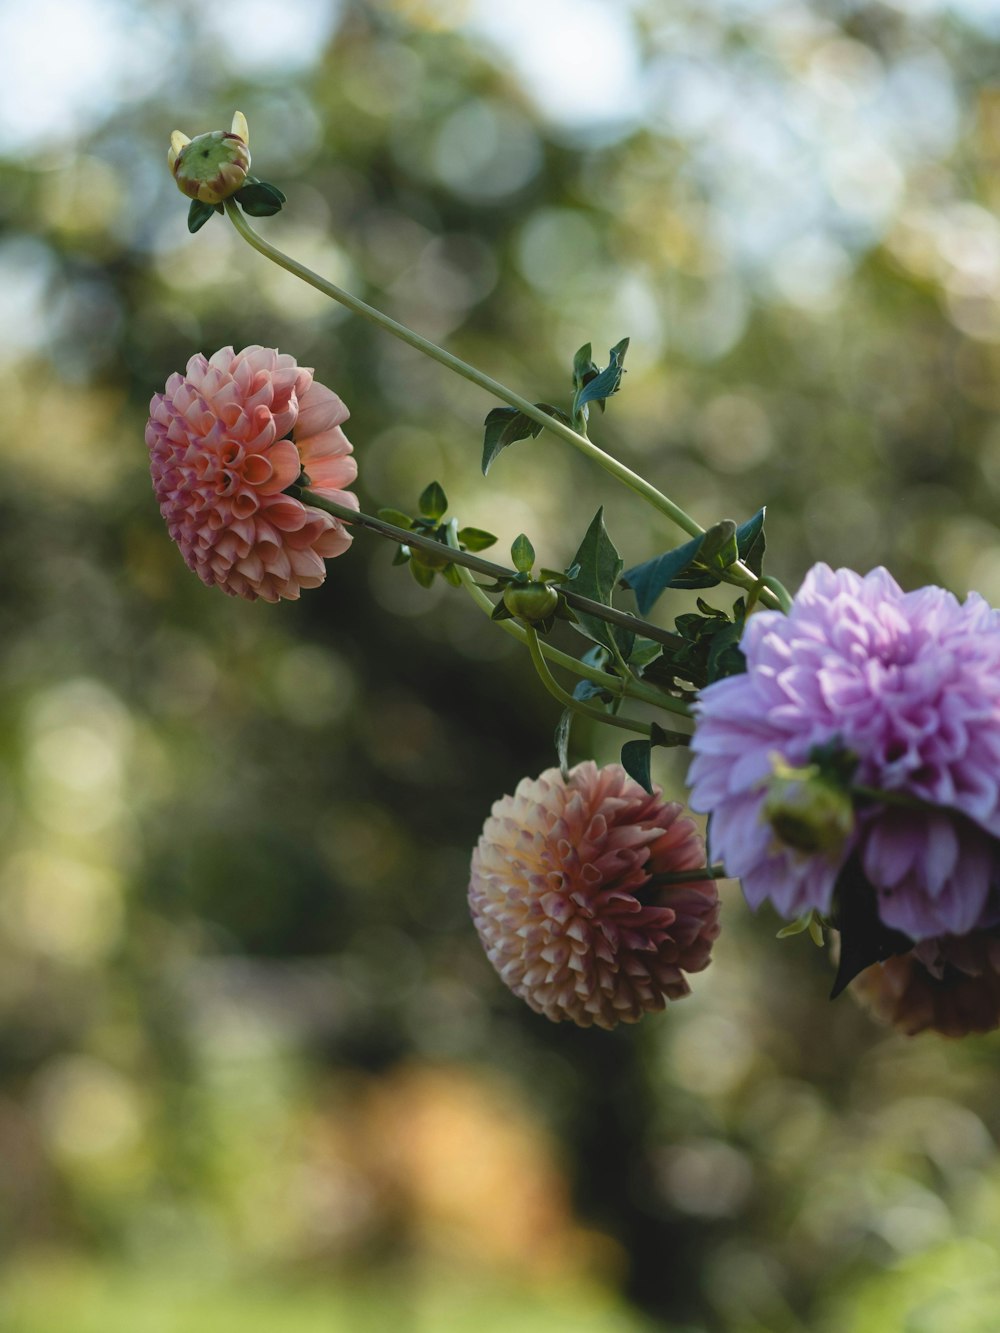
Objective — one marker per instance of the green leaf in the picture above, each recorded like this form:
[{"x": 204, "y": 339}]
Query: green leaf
[
  {"x": 750, "y": 542},
  {"x": 500, "y": 612},
  {"x": 635, "y": 761},
  {"x": 260, "y": 199},
  {"x": 401, "y": 556},
  {"x": 644, "y": 651},
  {"x": 522, "y": 553},
  {"x": 599, "y": 566},
  {"x": 475, "y": 539},
  {"x": 562, "y": 740},
  {"x": 452, "y": 576},
  {"x": 602, "y": 386},
  {"x": 506, "y": 425},
  {"x": 698, "y": 562},
  {"x": 395, "y": 516},
  {"x": 584, "y": 368},
  {"x": 198, "y": 215},
  {"x": 433, "y": 502},
  {"x": 423, "y": 575}
]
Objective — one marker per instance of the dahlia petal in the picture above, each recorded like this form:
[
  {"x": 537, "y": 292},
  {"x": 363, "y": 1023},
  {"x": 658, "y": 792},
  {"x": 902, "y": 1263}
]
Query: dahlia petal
[
  {"x": 216, "y": 455},
  {"x": 621, "y": 948},
  {"x": 907, "y": 682}
]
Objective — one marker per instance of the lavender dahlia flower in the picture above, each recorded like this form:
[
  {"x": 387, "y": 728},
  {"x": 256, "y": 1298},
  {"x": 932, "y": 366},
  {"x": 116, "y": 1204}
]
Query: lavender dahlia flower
[
  {"x": 907, "y": 687},
  {"x": 562, "y": 897}
]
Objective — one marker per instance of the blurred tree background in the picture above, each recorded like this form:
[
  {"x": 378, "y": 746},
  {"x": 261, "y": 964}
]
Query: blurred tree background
[{"x": 255, "y": 1071}]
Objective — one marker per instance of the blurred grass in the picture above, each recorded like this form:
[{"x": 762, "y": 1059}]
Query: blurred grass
[{"x": 50, "y": 1294}]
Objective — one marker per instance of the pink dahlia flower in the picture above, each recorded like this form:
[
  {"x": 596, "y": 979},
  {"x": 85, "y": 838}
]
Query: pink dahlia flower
[
  {"x": 945, "y": 985},
  {"x": 225, "y": 440},
  {"x": 906, "y": 683},
  {"x": 563, "y": 899}
]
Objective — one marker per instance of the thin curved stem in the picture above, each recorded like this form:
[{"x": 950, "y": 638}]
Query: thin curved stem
[
  {"x": 632, "y": 688},
  {"x": 737, "y": 574},
  {"x": 567, "y": 700}
]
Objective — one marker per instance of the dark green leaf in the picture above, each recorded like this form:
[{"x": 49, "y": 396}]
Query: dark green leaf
[
  {"x": 451, "y": 574},
  {"x": 599, "y": 566},
  {"x": 433, "y": 502},
  {"x": 584, "y": 367},
  {"x": 401, "y": 556},
  {"x": 500, "y": 612},
  {"x": 635, "y": 761},
  {"x": 198, "y": 215},
  {"x": 562, "y": 740},
  {"x": 602, "y": 386},
  {"x": 395, "y": 516},
  {"x": 644, "y": 651},
  {"x": 522, "y": 554},
  {"x": 864, "y": 937},
  {"x": 506, "y": 425},
  {"x": 650, "y": 578},
  {"x": 750, "y": 542},
  {"x": 475, "y": 539},
  {"x": 698, "y": 563},
  {"x": 423, "y": 575},
  {"x": 260, "y": 200}
]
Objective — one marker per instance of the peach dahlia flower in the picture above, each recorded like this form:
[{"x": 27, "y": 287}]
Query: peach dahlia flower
[
  {"x": 221, "y": 456},
  {"x": 562, "y": 898}
]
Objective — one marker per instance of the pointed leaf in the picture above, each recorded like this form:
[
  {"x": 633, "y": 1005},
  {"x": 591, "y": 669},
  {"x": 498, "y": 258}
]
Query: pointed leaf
[
  {"x": 260, "y": 200},
  {"x": 522, "y": 554},
  {"x": 635, "y": 761},
  {"x": 599, "y": 566},
  {"x": 433, "y": 502},
  {"x": 423, "y": 575},
  {"x": 584, "y": 368},
  {"x": 475, "y": 539},
  {"x": 198, "y": 215},
  {"x": 602, "y": 386},
  {"x": 584, "y": 690},
  {"x": 401, "y": 556},
  {"x": 751, "y": 543},
  {"x": 650, "y": 578},
  {"x": 506, "y": 425},
  {"x": 395, "y": 516},
  {"x": 452, "y": 576}
]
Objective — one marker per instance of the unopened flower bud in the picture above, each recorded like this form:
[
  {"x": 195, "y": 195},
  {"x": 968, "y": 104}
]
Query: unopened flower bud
[
  {"x": 531, "y": 602},
  {"x": 212, "y": 166},
  {"x": 807, "y": 811}
]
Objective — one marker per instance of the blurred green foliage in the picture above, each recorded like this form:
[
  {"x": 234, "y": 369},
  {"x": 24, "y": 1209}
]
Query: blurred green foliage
[{"x": 254, "y": 1069}]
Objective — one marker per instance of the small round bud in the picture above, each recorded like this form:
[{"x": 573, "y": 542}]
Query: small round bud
[
  {"x": 212, "y": 166},
  {"x": 531, "y": 602},
  {"x": 807, "y": 811}
]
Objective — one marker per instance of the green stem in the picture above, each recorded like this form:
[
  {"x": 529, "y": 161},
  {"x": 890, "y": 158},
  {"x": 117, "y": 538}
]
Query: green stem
[
  {"x": 632, "y": 688},
  {"x": 737, "y": 573},
  {"x": 567, "y": 700}
]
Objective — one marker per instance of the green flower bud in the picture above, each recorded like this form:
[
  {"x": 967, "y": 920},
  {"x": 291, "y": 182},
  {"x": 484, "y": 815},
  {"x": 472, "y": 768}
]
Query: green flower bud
[
  {"x": 212, "y": 166},
  {"x": 807, "y": 811},
  {"x": 530, "y": 602}
]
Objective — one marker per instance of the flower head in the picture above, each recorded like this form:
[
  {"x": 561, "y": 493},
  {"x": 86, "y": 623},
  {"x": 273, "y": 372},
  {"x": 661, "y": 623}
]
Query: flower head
[
  {"x": 907, "y": 686},
  {"x": 211, "y": 166},
  {"x": 221, "y": 459},
  {"x": 948, "y": 985},
  {"x": 562, "y": 896}
]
